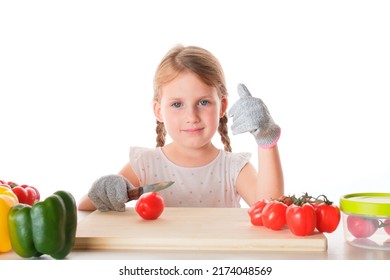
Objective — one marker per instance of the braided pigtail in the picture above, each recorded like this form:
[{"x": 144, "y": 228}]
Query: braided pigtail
[
  {"x": 161, "y": 132},
  {"x": 223, "y": 131}
]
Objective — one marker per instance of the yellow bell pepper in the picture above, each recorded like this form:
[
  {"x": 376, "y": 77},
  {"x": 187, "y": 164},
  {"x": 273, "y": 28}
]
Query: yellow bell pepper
[{"x": 7, "y": 200}]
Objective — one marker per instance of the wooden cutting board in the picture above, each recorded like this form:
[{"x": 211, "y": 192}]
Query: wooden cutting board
[{"x": 188, "y": 229}]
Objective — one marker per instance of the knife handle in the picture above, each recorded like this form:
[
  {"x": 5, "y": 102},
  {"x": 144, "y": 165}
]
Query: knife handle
[{"x": 134, "y": 194}]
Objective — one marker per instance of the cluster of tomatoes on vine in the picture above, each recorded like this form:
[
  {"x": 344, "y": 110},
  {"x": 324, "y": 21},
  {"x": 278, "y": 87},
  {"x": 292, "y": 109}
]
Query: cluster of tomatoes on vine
[{"x": 301, "y": 214}]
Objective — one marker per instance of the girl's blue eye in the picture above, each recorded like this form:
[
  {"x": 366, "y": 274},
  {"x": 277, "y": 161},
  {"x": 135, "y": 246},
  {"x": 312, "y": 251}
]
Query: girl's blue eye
[
  {"x": 203, "y": 102},
  {"x": 176, "y": 104}
]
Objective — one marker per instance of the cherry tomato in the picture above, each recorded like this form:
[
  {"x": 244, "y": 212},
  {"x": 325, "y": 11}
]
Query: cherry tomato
[
  {"x": 361, "y": 227},
  {"x": 288, "y": 200},
  {"x": 34, "y": 188},
  {"x": 274, "y": 215},
  {"x": 387, "y": 226},
  {"x": 301, "y": 220},
  {"x": 328, "y": 217},
  {"x": 150, "y": 206},
  {"x": 255, "y": 212},
  {"x": 26, "y": 195}
]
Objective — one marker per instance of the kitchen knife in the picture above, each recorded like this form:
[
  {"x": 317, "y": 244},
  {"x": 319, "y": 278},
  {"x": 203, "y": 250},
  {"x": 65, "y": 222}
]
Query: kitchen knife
[{"x": 135, "y": 193}]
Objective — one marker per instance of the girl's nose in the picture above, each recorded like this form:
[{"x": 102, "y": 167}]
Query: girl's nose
[{"x": 192, "y": 115}]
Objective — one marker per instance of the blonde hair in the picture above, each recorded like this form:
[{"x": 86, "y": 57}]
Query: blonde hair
[{"x": 200, "y": 62}]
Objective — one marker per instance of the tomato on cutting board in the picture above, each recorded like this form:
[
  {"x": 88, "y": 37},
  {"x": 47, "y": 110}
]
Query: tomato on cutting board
[
  {"x": 255, "y": 212},
  {"x": 274, "y": 215},
  {"x": 328, "y": 217},
  {"x": 301, "y": 219},
  {"x": 150, "y": 206}
]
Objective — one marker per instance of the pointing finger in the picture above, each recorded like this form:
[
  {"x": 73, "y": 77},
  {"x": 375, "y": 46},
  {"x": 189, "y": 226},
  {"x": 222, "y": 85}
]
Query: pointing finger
[{"x": 243, "y": 91}]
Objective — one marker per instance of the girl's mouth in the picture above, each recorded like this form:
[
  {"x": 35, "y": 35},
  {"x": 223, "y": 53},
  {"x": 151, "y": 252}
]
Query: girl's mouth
[{"x": 196, "y": 130}]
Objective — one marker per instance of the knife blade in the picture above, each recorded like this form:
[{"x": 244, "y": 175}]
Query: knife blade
[{"x": 135, "y": 193}]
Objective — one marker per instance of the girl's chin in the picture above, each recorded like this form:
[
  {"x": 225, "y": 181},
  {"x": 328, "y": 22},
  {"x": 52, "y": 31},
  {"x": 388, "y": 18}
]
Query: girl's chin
[{"x": 196, "y": 144}]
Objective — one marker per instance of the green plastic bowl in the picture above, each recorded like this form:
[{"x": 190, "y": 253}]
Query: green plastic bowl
[{"x": 369, "y": 204}]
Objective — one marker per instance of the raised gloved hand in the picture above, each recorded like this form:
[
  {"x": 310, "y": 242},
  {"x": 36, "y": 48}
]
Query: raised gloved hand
[
  {"x": 110, "y": 193},
  {"x": 250, "y": 114}
]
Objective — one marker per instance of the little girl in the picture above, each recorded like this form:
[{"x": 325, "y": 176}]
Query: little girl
[{"x": 190, "y": 104}]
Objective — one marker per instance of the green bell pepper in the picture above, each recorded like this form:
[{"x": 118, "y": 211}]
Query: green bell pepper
[
  {"x": 47, "y": 227},
  {"x": 70, "y": 224},
  {"x": 20, "y": 231}
]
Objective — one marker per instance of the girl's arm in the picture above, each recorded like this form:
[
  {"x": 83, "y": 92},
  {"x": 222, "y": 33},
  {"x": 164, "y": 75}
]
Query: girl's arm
[
  {"x": 86, "y": 204},
  {"x": 128, "y": 172},
  {"x": 267, "y": 182},
  {"x": 250, "y": 114}
]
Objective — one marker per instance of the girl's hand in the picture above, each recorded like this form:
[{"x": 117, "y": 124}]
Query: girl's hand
[
  {"x": 110, "y": 193},
  {"x": 251, "y": 114}
]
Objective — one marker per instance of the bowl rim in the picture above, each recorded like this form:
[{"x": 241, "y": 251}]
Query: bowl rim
[{"x": 366, "y": 203}]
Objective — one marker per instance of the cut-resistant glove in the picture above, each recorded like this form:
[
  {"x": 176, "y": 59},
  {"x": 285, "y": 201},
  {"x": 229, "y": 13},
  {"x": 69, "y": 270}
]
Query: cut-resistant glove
[
  {"x": 110, "y": 193},
  {"x": 251, "y": 114}
]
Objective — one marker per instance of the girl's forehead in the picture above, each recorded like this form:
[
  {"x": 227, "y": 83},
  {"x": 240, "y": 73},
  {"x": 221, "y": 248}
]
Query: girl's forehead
[{"x": 187, "y": 84}]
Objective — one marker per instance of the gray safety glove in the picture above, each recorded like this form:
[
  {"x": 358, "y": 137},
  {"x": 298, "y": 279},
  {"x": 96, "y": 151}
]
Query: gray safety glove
[
  {"x": 110, "y": 193},
  {"x": 250, "y": 114}
]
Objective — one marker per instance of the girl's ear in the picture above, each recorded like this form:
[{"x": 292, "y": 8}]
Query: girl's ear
[
  {"x": 224, "y": 105},
  {"x": 157, "y": 110}
]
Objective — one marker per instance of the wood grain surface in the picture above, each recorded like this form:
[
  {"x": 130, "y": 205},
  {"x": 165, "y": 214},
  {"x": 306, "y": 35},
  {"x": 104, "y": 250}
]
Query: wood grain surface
[{"x": 188, "y": 229}]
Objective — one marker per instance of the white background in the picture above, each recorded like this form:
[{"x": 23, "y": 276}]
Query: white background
[{"x": 76, "y": 85}]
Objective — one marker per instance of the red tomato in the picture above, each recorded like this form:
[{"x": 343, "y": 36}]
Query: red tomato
[
  {"x": 288, "y": 200},
  {"x": 25, "y": 195},
  {"x": 255, "y": 211},
  {"x": 150, "y": 206},
  {"x": 361, "y": 227},
  {"x": 274, "y": 215},
  {"x": 301, "y": 220},
  {"x": 387, "y": 226},
  {"x": 328, "y": 217},
  {"x": 34, "y": 188}
]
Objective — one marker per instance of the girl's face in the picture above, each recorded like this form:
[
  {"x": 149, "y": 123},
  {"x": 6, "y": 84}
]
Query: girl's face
[{"x": 190, "y": 110}]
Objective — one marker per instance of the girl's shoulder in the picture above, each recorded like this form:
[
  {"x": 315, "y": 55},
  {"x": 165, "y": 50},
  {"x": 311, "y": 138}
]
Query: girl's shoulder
[
  {"x": 235, "y": 161},
  {"x": 232, "y": 156},
  {"x": 137, "y": 152}
]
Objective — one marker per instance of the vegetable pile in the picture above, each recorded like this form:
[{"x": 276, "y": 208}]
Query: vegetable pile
[
  {"x": 32, "y": 227},
  {"x": 302, "y": 215}
]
